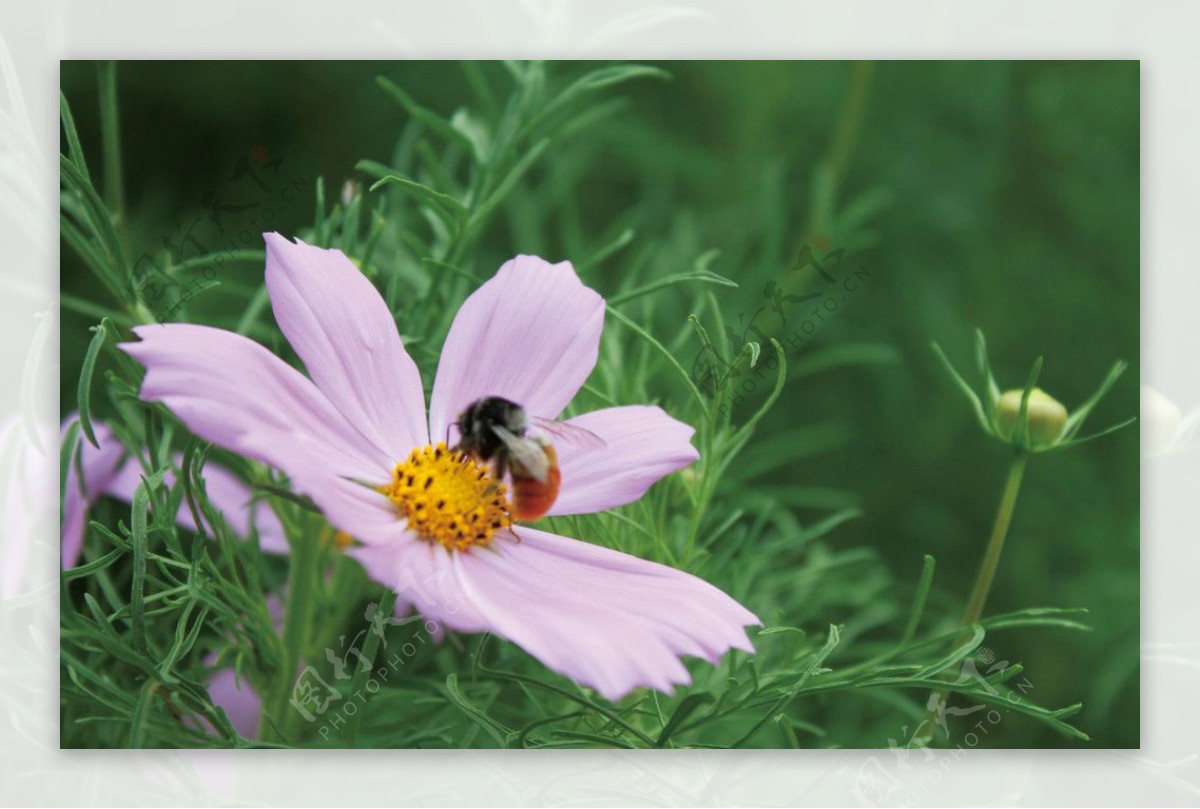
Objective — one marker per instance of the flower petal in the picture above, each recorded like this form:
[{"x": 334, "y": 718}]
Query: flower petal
[
  {"x": 422, "y": 574},
  {"x": 232, "y": 391},
  {"x": 643, "y": 444},
  {"x": 531, "y": 334},
  {"x": 237, "y": 394},
  {"x": 342, "y": 330},
  {"x": 608, "y": 620},
  {"x": 99, "y": 467}
]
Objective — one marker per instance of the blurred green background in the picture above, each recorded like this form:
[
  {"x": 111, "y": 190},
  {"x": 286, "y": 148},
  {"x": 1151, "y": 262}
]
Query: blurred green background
[{"x": 1003, "y": 195}]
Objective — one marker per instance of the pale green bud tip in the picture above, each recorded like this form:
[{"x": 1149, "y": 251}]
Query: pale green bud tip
[{"x": 1044, "y": 414}]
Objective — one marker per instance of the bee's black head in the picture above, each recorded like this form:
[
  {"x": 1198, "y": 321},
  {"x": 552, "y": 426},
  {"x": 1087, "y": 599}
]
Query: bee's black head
[{"x": 476, "y": 422}]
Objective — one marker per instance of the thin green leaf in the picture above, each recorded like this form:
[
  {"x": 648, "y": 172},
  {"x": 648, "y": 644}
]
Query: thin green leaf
[
  {"x": 1075, "y": 421},
  {"x": 431, "y": 119},
  {"x": 249, "y": 256},
  {"x": 81, "y": 571},
  {"x": 1021, "y": 433},
  {"x": 1037, "y": 616},
  {"x": 607, "y": 713},
  {"x": 475, "y": 130},
  {"x": 95, "y": 311},
  {"x": 685, "y": 709},
  {"x": 670, "y": 358},
  {"x": 590, "y": 83},
  {"x": 814, "y": 666},
  {"x": 992, "y": 390},
  {"x": 137, "y": 722},
  {"x": 253, "y": 309},
  {"x": 785, "y": 727},
  {"x": 963, "y": 386},
  {"x": 101, "y": 221},
  {"x": 919, "y": 598},
  {"x": 960, "y": 653},
  {"x": 522, "y": 738},
  {"x": 616, "y": 245},
  {"x": 780, "y": 378},
  {"x": 88, "y": 250},
  {"x": 74, "y": 150},
  {"x": 594, "y": 738},
  {"x": 140, "y": 540},
  {"x": 781, "y": 630},
  {"x": 793, "y": 541},
  {"x": 450, "y": 210},
  {"x": 374, "y": 168},
  {"x": 84, "y": 401},
  {"x": 473, "y": 70},
  {"x": 495, "y": 729},
  {"x": 1094, "y": 436},
  {"x": 480, "y": 214},
  {"x": 459, "y": 271},
  {"x": 186, "y": 634},
  {"x": 67, "y": 454},
  {"x": 108, "y": 638}
]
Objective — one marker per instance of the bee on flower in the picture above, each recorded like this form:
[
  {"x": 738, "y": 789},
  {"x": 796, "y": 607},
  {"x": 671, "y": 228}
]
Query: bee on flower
[{"x": 433, "y": 496}]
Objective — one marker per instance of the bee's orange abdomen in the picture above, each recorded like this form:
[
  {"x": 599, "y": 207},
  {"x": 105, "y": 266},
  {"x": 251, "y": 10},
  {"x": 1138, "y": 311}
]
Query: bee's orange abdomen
[{"x": 532, "y": 498}]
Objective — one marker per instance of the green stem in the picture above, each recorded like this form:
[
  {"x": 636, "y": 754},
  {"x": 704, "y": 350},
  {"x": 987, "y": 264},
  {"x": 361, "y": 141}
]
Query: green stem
[
  {"x": 983, "y": 580},
  {"x": 110, "y": 134},
  {"x": 304, "y": 577},
  {"x": 991, "y": 556}
]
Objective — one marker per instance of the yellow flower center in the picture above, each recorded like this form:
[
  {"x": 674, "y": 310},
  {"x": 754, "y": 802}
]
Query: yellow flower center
[{"x": 449, "y": 497}]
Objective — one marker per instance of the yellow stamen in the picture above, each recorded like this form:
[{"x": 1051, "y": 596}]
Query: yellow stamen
[{"x": 449, "y": 497}]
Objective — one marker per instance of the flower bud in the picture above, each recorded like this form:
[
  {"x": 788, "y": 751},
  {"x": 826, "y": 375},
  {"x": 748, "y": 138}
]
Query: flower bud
[{"x": 1044, "y": 415}]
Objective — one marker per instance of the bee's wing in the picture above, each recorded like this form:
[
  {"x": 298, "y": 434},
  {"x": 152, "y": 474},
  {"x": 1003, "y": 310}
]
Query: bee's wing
[
  {"x": 578, "y": 437},
  {"x": 528, "y": 454}
]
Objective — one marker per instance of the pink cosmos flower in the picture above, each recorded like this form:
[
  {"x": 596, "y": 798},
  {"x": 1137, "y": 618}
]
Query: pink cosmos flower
[
  {"x": 108, "y": 472},
  {"x": 353, "y": 433}
]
